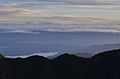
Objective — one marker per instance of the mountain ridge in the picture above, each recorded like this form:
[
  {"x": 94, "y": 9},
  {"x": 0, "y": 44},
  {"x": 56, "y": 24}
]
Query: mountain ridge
[{"x": 105, "y": 65}]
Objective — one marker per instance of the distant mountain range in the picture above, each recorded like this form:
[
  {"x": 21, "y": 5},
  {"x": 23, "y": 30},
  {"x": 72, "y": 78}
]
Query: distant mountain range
[
  {"x": 86, "y": 55},
  {"x": 83, "y": 52},
  {"x": 105, "y": 65},
  {"x": 90, "y": 50},
  {"x": 100, "y": 48}
]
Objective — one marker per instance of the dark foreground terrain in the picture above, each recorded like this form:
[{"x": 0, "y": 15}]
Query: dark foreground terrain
[{"x": 104, "y": 65}]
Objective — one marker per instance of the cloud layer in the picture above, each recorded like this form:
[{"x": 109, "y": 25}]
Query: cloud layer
[
  {"x": 67, "y": 1},
  {"x": 68, "y": 13}
]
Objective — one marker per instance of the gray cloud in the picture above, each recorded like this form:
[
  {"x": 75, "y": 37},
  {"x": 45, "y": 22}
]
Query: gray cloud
[
  {"x": 39, "y": 9},
  {"x": 85, "y": 2}
]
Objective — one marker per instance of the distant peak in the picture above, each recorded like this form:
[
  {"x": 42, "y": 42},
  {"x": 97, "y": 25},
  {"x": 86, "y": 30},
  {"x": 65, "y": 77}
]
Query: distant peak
[
  {"x": 108, "y": 54},
  {"x": 37, "y": 57},
  {"x": 66, "y": 56}
]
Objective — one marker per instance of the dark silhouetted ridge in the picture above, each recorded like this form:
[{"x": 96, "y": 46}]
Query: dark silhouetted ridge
[
  {"x": 68, "y": 66},
  {"x": 108, "y": 54},
  {"x": 34, "y": 67},
  {"x": 104, "y": 65}
]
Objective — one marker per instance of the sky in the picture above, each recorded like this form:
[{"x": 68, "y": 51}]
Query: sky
[
  {"x": 96, "y": 13},
  {"x": 32, "y": 16}
]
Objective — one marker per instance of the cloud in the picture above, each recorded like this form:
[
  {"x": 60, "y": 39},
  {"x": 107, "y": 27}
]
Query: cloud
[
  {"x": 40, "y": 8},
  {"x": 62, "y": 15},
  {"x": 15, "y": 10},
  {"x": 87, "y": 2},
  {"x": 59, "y": 11},
  {"x": 39, "y": 54},
  {"x": 66, "y": 1}
]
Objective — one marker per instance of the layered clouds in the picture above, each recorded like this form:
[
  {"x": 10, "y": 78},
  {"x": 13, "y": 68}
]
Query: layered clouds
[{"x": 95, "y": 15}]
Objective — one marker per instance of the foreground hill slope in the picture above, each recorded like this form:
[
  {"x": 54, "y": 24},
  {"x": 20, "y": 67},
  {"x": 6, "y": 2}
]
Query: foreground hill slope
[
  {"x": 34, "y": 67},
  {"x": 104, "y": 65},
  {"x": 69, "y": 66}
]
